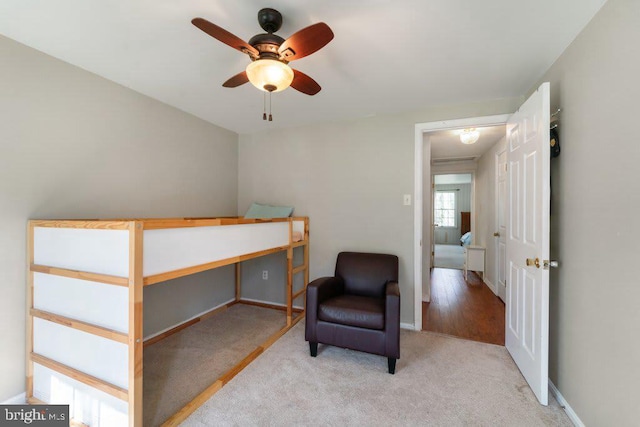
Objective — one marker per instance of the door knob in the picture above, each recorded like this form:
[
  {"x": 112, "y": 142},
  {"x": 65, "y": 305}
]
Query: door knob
[
  {"x": 547, "y": 263},
  {"x": 496, "y": 234},
  {"x": 533, "y": 262}
]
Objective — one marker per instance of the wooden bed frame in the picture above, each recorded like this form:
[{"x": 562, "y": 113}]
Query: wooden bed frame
[{"x": 85, "y": 298}]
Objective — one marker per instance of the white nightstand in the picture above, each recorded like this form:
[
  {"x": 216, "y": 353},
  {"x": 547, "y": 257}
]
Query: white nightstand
[{"x": 474, "y": 260}]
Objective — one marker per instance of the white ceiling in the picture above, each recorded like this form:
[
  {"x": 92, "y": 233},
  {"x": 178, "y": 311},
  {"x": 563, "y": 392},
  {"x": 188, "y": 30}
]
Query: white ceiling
[
  {"x": 387, "y": 56},
  {"x": 445, "y": 144}
]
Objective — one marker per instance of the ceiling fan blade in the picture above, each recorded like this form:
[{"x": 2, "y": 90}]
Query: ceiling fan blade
[
  {"x": 237, "y": 80},
  {"x": 224, "y": 36},
  {"x": 305, "y": 84},
  {"x": 306, "y": 41}
]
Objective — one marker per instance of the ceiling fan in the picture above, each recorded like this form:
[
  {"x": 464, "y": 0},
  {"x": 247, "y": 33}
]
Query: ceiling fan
[{"x": 270, "y": 54}]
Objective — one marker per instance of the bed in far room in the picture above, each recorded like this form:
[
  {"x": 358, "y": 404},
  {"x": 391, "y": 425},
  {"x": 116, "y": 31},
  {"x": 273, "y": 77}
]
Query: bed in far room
[{"x": 465, "y": 240}]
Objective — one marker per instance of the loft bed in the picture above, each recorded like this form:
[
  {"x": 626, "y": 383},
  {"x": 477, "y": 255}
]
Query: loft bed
[{"x": 85, "y": 300}]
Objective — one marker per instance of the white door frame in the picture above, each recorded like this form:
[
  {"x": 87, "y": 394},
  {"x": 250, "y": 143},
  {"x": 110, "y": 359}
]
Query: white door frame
[
  {"x": 457, "y": 171},
  {"x": 418, "y": 211},
  {"x": 499, "y": 288}
]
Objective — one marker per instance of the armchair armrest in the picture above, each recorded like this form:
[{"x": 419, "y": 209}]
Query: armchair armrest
[
  {"x": 392, "y": 290},
  {"x": 318, "y": 291},
  {"x": 324, "y": 288},
  {"x": 392, "y": 319}
]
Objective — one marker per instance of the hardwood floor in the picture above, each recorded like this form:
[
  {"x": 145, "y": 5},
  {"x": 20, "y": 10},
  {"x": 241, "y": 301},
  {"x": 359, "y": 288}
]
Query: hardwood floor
[{"x": 463, "y": 309}]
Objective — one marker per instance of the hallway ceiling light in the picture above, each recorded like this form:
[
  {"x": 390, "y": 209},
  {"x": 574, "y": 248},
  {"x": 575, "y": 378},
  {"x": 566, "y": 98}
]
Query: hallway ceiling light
[{"x": 469, "y": 136}]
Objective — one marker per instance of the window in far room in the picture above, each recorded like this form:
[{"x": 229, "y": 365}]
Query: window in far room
[{"x": 445, "y": 209}]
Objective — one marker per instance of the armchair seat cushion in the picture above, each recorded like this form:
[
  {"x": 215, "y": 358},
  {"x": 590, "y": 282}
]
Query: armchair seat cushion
[{"x": 353, "y": 310}]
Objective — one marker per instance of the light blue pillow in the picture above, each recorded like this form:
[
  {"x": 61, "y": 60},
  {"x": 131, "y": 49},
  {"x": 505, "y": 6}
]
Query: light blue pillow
[
  {"x": 267, "y": 211},
  {"x": 466, "y": 239}
]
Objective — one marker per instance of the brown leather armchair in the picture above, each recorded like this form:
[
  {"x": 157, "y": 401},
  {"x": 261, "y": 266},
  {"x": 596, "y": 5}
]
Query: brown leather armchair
[{"x": 358, "y": 308}]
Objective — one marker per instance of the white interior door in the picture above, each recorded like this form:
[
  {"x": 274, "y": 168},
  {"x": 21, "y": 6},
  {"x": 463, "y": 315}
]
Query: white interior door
[
  {"x": 528, "y": 187},
  {"x": 501, "y": 224}
]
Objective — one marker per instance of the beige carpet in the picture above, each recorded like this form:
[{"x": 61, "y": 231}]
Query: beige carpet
[
  {"x": 181, "y": 366},
  {"x": 439, "y": 381}
]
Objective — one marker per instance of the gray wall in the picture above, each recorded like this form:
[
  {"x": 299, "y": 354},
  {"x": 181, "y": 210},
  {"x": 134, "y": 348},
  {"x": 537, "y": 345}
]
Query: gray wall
[
  {"x": 595, "y": 294},
  {"x": 349, "y": 178},
  {"x": 170, "y": 303},
  {"x": 273, "y": 289},
  {"x": 75, "y": 145}
]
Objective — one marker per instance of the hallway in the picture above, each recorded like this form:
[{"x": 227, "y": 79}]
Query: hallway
[{"x": 466, "y": 310}]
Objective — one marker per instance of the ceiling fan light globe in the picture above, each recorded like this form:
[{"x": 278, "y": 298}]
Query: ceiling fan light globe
[
  {"x": 469, "y": 136},
  {"x": 268, "y": 73}
]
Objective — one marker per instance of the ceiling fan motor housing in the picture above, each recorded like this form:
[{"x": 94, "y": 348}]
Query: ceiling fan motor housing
[
  {"x": 270, "y": 19},
  {"x": 267, "y": 44}
]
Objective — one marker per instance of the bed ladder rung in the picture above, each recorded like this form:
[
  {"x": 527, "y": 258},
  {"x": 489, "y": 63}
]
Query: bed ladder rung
[
  {"x": 87, "y": 379},
  {"x": 81, "y": 326},
  {"x": 297, "y": 294},
  {"x": 299, "y": 269}
]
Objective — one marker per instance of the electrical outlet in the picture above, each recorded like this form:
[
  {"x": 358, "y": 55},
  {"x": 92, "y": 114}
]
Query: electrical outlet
[
  {"x": 407, "y": 199},
  {"x": 265, "y": 275}
]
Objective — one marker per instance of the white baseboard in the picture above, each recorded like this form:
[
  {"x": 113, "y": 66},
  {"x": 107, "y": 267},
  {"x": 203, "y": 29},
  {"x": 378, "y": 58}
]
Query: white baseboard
[
  {"x": 20, "y": 399},
  {"x": 565, "y": 405},
  {"x": 491, "y": 286},
  {"x": 409, "y": 326},
  {"x": 155, "y": 334},
  {"x": 271, "y": 303}
]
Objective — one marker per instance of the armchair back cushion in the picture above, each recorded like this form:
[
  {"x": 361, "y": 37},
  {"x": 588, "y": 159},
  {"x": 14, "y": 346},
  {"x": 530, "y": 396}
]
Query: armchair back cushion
[{"x": 366, "y": 274}]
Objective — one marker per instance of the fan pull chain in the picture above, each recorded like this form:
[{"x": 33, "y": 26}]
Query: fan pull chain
[
  {"x": 264, "y": 106},
  {"x": 269, "y": 89}
]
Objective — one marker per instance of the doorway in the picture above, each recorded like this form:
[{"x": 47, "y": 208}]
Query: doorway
[
  {"x": 462, "y": 304},
  {"x": 528, "y": 189},
  {"x": 452, "y": 195},
  {"x": 424, "y": 133}
]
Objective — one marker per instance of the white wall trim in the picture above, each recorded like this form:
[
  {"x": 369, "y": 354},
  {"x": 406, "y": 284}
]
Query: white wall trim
[
  {"x": 269, "y": 302},
  {"x": 417, "y": 228},
  {"x": 565, "y": 405},
  {"x": 408, "y": 326},
  {"x": 212, "y": 309},
  {"x": 20, "y": 399},
  {"x": 490, "y": 285},
  {"x": 419, "y": 170},
  {"x": 472, "y": 205},
  {"x": 187, "y": 320}
]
